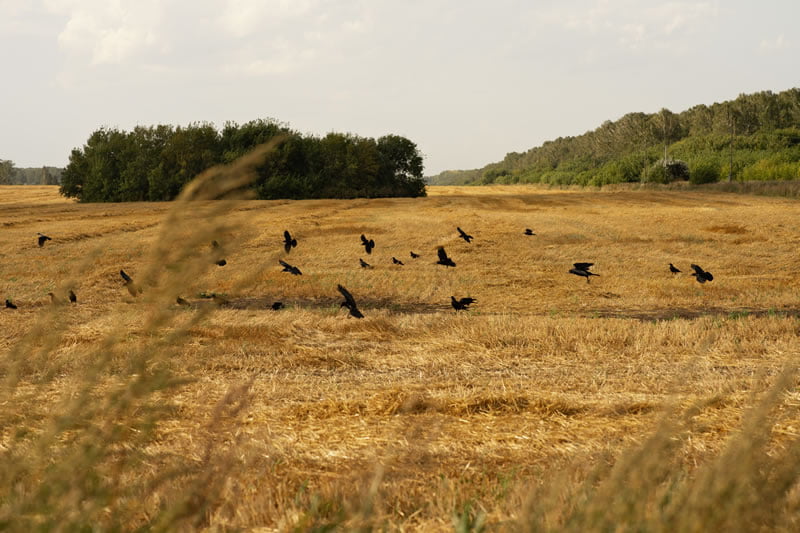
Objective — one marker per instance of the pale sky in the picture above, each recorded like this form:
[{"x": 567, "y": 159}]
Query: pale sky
[{"x": 467, "y": 81}]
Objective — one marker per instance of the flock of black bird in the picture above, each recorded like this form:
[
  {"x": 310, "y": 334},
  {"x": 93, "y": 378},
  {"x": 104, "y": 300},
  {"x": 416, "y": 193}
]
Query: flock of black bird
[{"x": 581, "y": 269}]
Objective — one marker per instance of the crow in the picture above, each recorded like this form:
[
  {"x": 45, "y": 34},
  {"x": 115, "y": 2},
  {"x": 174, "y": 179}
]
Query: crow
[
  {"x": 349, "y": 302},
  {"x": 463, "y": 235},
  {"x": 462, "y": 304},
  {"x": 277, "y": 305},
  {"x": 673, "y": 269},
  {"x": 10, "y": 304},
  {"x": 129, "y": 284},
  {"x": 414, "y": 256},
  {"x": 289, "y": 268},
  {"x": 363, "y": 263},
  {"x": 701, "y": 275},
  {"x": 288, "y": 241},
  {"x": 181, "y": 301},
  {"x": 443, "y": 259},
  {"x": 73, "y": 298},
  {"x": 582, "y": 269},
  {"x": 396, "y": 261},
  {"x": 42, "y": 239},
  {"x": 529, "y": 231},
  {"x": 221, "y": 261},
  {"x": 368, "y": 244}
]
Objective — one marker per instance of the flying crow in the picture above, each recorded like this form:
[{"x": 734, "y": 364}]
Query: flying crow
[
  {"x": 42, "y": 239},
  {"x": 582, "y": 269},
  {"x": 443, "y": 259},
  {"x": 529, "y": 231},
  {"x": 10, "y": 304},
  {"x": 673, "y": 269},
  {"x": 368, "y": 244},
  {"x": 288, "y": 241},
  {"x": 463, "y": 235},
  {"x": 133, "y": 289},
  {"x": 363, "y": 263},
  {"x": 289, "y": 268},
  {"x": 414, "y": 256},
  {"x": 396, "y": 261},
  {"x": 349, "y": 302},
  {"x": 701, "y": 275},
  {"x": 462, "y": 304}
]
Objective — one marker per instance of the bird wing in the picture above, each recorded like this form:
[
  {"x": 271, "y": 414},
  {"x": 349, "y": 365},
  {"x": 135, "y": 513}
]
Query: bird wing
[
  {"x": 708, "y": 276},
  {"x": 364, "y": 239},
  {"x": 697, "y": 270},
  {"x": 348, "y": 298},
  {"x": 284, "y": 264},
  {"x": 583, "y": 266},
  {"x": 442, "y": 254},
  {"x": 467, "y": 301},
  {"x": 287, "y": 236},
  {"x": 126, "y": 277},
  {"x": 461, "y": 232}
]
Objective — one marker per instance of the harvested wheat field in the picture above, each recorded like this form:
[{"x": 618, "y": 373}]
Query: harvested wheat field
[{"x": 642, "y": 400}]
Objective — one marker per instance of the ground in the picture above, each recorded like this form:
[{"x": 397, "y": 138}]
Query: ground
[{"x": 423, "y": 411}]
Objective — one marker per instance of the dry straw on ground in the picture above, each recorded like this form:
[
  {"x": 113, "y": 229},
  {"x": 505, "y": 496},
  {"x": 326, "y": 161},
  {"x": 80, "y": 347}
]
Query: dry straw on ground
[{"x": 639, "y": 401}]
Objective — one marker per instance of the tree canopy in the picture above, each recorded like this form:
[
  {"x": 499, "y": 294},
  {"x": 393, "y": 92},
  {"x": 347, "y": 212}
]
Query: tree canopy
[
  {"x": 154, "y": 163},
  {"x": 755, "y": 136}
]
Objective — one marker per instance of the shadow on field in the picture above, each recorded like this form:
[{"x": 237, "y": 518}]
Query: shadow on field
[{"x": 262, "y": 302}]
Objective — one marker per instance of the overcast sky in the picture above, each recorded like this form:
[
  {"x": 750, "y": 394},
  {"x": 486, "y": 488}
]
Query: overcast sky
[{"x": 468, "y": 81}]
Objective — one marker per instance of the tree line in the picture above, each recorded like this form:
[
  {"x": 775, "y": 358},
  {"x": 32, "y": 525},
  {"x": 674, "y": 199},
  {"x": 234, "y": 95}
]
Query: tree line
[
  {"x": 13, "y": 175},
  {"x": 754, "y": 137},
  {"x": 153, "y": 163}
]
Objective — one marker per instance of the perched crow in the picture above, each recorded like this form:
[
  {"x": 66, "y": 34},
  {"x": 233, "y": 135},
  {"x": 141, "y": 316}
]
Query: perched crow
[
  {"x": 42, "y": 239},
  {"x": 277, "y": 305},
  {"x": 10, "y": 304},
  {"x": 349, "y": 302},
  {"x": 368, "y": 244},
  {"x": 363, "y": 263},
  {"x": 396, "y": 261},
  {"x": 443, "y": 259},
  {"x": 289, "y": 268},
  {"x": 288, "y": 241},
  {"x": 673, "y": 269},
  {"x": 529, "y": 231},
  {"x": 582, "y": 269},
  {"x": 181, "y": 301},
  {"x": 463, "y": 235},
  {"x": 701, "y": 275},
  {"x": 462, "y": 304},
  {"x": 414, "y": 256},
  {"x": 221, "y": 263},
  {"x": 73, "y": 298},
  {"x": 133, "y": 289}
]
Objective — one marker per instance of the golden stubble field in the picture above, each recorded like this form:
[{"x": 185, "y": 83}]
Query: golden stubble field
[{"x": 416, "y": 417}]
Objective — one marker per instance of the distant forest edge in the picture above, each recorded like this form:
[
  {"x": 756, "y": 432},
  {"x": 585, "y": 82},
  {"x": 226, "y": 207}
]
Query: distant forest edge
[
  {"x": 11, "y": 175},
  {"x": 754, "y": 137},
  {"x": 153, "y": 163}
]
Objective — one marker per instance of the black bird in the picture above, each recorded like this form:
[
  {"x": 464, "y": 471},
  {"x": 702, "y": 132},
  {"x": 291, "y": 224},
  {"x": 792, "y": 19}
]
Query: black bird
[
  {"x": 701, "y": 275},
  {"x": 414, "y": 256},
  {"x": 396, "y": 261},
  {"x": 221, "y": 261},
  {"x": 582, "y": 269},
  {"x": 288, "y": 241},
  {"x": 363, "y": 263},
  {"x": 42, "y": 239},
  {"x": 349, "y": 302},
  {"x": 133, "y": 289},
  {"x": 277, "y": 305},
  {"x": 443, "y": 259},
  {"x": 181, "y": 301},
  {"x": 463, "y": 235},
  {"x": 289, "y": 268},
  {"x": 462, "y": 304},
  {"x": 368, "y": 244},
  {"x": 10, "y": 304},
  {"x": 673, "y": 269},
  {"x": 73, "y": 298},
  {"x": 529, "y": 231}
]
